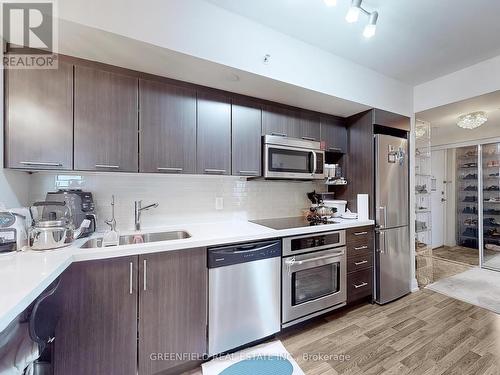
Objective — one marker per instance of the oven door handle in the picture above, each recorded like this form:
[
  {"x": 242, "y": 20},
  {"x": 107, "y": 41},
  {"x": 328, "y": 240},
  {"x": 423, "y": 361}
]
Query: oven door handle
[{"x": 292, "y": 262}]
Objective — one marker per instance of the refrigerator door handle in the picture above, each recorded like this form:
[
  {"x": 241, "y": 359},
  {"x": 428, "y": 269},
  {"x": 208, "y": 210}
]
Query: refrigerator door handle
[
  {"x": 383, "y": 215},
  {"x": 382, "y": 243}
]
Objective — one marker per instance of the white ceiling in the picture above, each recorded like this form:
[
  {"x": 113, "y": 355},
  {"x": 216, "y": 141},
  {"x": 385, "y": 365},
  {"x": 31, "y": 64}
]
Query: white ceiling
[
  {"x": 416, "y": 41},
  {"x": 446, "y": 116}
]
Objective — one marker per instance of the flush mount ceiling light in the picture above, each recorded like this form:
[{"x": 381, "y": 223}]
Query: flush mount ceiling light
[
  {"x": 353, "y": 16},
  {"x": 472, "y": 120}
]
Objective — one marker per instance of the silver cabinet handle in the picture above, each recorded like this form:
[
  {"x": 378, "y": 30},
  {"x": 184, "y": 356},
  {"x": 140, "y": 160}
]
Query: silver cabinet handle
[
  {"x": 360, "y": 285},
  {"x": 360, "y": 233},
  {"x": 279, "y": 134},
  {"x": 360, "y": 263},
  {"x": 308, "y": 138},
  {"x": 41, "y": 163},
  {"x": 361, "y": 247},
  {"x": 170, "y": 169},
  {"x": 292, "y": 261},
  {"x": 208, "y": 170},
  {"x": 131, "y": 276},
  {"x": 338, "y": 149},
  {"x": 253, "y": 173},
  {"x": 144, "y": 274},
  {"x": 107, "y": 166}
]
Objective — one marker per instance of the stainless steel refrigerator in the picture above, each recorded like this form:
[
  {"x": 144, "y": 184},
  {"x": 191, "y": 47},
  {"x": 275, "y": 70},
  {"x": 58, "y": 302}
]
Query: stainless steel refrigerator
[{"x": 393, "y": 255}]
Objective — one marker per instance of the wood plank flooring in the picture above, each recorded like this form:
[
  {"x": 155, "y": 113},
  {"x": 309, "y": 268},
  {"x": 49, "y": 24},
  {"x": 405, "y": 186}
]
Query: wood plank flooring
[
  {"x": 458, "y": 254},
  {"x": 423, "y": 333}
]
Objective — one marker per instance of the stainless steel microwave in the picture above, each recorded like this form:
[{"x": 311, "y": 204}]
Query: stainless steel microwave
[{"x": 291, "y": 158}]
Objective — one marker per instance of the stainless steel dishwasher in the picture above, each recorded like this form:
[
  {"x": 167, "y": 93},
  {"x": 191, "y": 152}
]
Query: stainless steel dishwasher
[{"x": 244, "y": 295}]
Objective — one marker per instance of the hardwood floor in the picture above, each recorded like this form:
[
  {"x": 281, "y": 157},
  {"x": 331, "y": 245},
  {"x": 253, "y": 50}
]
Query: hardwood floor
[
  {"x": 423, "y": 333},
  {"x": 458, "y": 254}
]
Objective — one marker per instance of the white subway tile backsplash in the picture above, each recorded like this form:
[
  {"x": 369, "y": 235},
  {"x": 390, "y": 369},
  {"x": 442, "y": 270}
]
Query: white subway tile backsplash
[{"x": 185, "y": 198}]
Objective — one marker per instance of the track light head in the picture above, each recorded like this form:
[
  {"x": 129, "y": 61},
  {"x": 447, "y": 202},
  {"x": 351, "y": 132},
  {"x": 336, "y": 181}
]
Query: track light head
[
  {"x": 354, "y": 11},
  {"x": 371, "y": 27}
]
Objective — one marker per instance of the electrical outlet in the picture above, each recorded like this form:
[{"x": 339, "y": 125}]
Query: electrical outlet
[{"x": 219, "y": 203}]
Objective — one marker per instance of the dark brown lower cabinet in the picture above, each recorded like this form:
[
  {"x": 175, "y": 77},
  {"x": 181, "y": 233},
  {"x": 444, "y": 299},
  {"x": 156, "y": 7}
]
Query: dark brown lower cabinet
[
  {"x": 360, "y": 245},
  {"x": 172, "y": 311},
  {"x": 97, "y": 332},
  {"x": 140, "y": 314}
]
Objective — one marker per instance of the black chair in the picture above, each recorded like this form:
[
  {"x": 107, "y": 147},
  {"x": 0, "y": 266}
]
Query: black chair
[{"x": 43, "y": 319}]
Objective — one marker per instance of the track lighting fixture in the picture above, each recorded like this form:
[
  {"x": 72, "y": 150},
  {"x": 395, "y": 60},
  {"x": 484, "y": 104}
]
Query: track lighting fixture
[
  {"x": 353, "y": 16},
  {"x": 330, "y": 3}
]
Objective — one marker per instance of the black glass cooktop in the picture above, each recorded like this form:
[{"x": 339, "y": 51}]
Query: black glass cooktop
[{"x": 290, "y": 222}]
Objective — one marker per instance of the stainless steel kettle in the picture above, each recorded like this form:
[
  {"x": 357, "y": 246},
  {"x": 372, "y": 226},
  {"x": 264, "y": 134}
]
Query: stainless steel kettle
[{"x": 50, "y": 229}]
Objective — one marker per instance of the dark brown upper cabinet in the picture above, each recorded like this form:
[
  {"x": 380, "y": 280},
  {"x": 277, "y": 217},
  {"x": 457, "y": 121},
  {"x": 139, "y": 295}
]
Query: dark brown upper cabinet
[
  {"x": 213, "y": 134},
  {"x": 290, "y": 123},
  {"x": 334, "y": 134},
  {"x": 167, "y": 121},
  {"x": 246, "y": 138},
  {"x": 172, "y": 308},
  {"x": 97, "y": 331},
  {"x": 39, "y": 118},
  {"x": 106, "y": 121}
]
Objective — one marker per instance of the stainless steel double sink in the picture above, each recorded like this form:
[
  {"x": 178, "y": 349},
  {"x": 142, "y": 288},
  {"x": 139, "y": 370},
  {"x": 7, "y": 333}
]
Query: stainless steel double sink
[{"x": 132, "y": 239}]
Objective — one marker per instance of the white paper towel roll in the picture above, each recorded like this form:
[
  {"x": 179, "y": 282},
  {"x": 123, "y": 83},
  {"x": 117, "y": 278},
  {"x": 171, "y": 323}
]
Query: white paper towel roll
[{"x": 363, "y": 208}]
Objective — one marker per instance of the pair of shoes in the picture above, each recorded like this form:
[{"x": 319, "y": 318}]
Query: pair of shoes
[
  {"x": 494, "y": 174},
  {"x": 492, "y": 211},
  {"x": 470, "y": 210},
  {"x": 470, "y": 232},
  {"x": 492, "y": 233},
  {"x": 491, "y": 222},
  {"x": 493, "y": 163},
  {"x": 492, "y": 200},
  {"x": 471, "y": 222},
  {"x": 469, "y": 243},
  {"x": 493, "y": 188},
  {"x": 471, "y": 188},
  {"x": 469, "y": 165},
  {"x": 471, "y": 176},
  {"x": 470, "y": 198}
]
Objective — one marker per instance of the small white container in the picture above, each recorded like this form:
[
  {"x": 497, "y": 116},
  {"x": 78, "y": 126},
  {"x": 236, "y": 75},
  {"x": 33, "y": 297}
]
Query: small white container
[{"x": 339, "y": 205}]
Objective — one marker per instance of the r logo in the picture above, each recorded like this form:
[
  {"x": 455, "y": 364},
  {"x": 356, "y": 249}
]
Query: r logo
[{"x": 28, "y": 26}]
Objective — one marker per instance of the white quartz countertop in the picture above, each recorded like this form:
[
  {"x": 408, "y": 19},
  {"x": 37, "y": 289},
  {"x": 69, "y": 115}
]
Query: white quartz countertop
[{"x": 25, "y": 275}]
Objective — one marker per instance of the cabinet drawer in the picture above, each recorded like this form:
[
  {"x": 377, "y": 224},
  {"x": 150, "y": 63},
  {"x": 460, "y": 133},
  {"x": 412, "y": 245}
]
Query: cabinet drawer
[
  {"x": 359, "y": 285},
  {"x": 359, "y": 250},
  {"x": 359, "y": 263},
  {"x": 362, "y": 235}
]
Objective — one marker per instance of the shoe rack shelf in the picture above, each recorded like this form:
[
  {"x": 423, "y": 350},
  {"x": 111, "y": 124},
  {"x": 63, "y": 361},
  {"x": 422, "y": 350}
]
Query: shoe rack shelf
[
  {"x": 423, "y": 227},
  {"x": 491, "y": 194},
  {"x": 467, "y": 197}
]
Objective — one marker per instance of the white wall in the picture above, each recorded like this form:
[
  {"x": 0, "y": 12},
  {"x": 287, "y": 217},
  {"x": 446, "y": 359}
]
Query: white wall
[
  {"x": 203, "y": 30},
  {"x": 185, "y": 198},
  {"x": 470, "y": 82}
]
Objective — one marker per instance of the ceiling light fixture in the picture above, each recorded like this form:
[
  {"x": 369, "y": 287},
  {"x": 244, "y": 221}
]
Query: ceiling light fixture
[
  {"x": 472, "y": 120},
  {"x": 353, "y": 16},
  {"x": 330, "y": 3},
  {"x": 353, "y": 13}
]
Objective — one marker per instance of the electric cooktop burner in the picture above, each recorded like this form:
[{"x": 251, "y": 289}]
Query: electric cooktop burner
[{"x": 292, "y": 222}]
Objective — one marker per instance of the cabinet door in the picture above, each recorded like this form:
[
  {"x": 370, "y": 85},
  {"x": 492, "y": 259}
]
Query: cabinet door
[
  {"x": 290, "y": 123},
  {"x": 167, "y": 121},
  {"x": 246, "y": 138},
  {"x": 334, "y": 134},
  {"x": 39, "y": 118},
  {"x": 106, "y": 130},
  {"x": 97, "y": 332},
  {"x": 173, "y": 308},
  {"x": 214, "y": 134},
  {"x": 280, "y": 121}
]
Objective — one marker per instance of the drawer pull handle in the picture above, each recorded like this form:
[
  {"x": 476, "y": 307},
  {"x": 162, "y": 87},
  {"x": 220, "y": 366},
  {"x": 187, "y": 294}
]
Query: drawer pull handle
[
  {"x": 360, "y": 233},
  {"x": 219, "y": 171},
  {"x": 309, "y": 139},
  {"x": 253, "y": 173},
  {"x": 107, "y": 166},
  {"x": 361, "y": 247},
  {"x": 41, "y": 163},
  {"x": 360, "y": 285},
  {"x": 279, "y": 134},
  {"x": 337, "y": 149},
  {"x": 131, "y": 275},
  {"x": 169, "y": 169},
  {"x": 360, "y": 263}
]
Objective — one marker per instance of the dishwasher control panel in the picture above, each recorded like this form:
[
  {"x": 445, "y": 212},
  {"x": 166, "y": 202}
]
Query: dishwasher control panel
[{"x": 242, "y": 253}]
